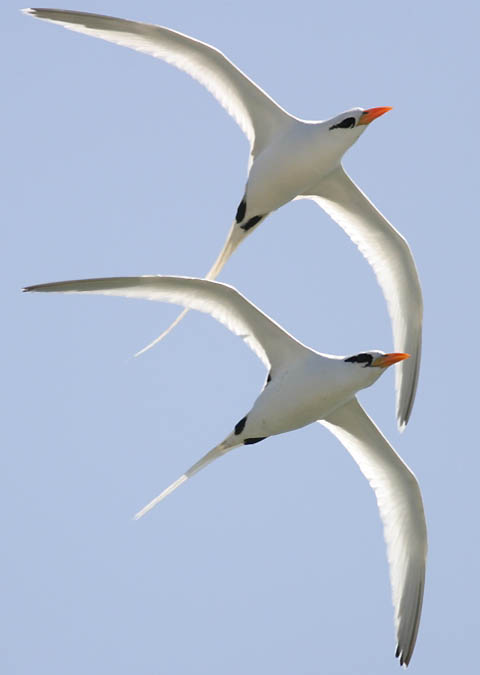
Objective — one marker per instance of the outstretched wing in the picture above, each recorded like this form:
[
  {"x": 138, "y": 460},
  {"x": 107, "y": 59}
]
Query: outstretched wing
[
  {"x": 392, "y": 261},
  {"x": 273, "y": 345},
  {"x": 256, "y": 113},
  {"x": 401, "y": 510}
]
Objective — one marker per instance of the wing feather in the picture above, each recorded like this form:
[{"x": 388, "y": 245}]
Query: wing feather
[
  {"x": 392, "y": 261},
  {"x": 270, "y": 342},
  {"x": 401, "y": 510},
  {"x": 258, "y": 115}
]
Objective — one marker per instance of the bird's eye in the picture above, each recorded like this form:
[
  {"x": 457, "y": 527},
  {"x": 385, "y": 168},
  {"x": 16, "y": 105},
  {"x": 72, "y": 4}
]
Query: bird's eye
[
  {"x": 347, "y": 123},
  {"x": 360, "y": 358}
]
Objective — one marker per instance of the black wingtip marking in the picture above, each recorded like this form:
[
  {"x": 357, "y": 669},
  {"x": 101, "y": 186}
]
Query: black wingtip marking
[
  {"x": 251, "y": 223},
  {"x": 251, "y": 441},
  {"x": 242, "y": 208},
  {"x": 399, "y": 653},
  {"x": 269, "y": 378},
  {"x": 239, "y": 427},
  {"x": 405, "y": 652}
]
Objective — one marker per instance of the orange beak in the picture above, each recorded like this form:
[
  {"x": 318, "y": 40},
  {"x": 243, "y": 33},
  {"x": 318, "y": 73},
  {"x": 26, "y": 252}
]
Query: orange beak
[
  {"x": 389, "y": 359},
  {"x": 372, "y": 114}
]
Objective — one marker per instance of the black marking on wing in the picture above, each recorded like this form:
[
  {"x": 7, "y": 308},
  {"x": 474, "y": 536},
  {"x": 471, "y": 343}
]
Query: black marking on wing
[
  {"x": 251, "y": 441},
  {"x": 239, "y": 427},
  {"x": 251, "y": 223},
  {"x": 269, "y": 377},
  {"x": 242, "y": 207}
]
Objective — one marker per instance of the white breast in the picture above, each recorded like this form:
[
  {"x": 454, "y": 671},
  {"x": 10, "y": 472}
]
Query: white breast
[
  {"x": 307, "y": 392},
  {"x": 290, "y": 165}
]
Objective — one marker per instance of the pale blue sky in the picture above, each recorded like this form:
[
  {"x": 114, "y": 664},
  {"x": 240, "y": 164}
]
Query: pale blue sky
[{"x": 272, "y": 560}]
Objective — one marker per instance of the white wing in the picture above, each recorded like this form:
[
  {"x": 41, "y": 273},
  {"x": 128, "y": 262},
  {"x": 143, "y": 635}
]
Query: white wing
[
  {"x": 256, "y": 113},
  {"x": 273, "y": 345},
  {"x": 392, "y": 261},
  {"x": 401, "y": 510}
]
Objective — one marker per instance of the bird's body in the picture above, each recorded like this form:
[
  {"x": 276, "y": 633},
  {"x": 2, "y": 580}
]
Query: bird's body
[
  {"x": 304, "y": 386},
  {"x": 304, "y": 391},
  {"x": 293, "y": 164},
  {"x": 289, "y": 158}
]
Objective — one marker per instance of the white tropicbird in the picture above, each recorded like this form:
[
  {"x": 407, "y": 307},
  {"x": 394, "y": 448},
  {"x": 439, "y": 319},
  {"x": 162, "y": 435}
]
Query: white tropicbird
[
  {"x": 290, "y": 159},
  {"x": 304, "y": 386}
]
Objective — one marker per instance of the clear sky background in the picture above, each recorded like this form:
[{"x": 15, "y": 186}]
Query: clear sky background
[{"x": 272, "y": 560}]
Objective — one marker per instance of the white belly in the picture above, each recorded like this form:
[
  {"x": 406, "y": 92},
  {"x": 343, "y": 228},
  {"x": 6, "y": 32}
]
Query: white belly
[
  {"x": 296, "y": 399},
  {"x": 288, "y": 168}
]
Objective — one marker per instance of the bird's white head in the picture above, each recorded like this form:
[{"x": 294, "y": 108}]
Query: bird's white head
[
  {"x": 367, "y": 367},
  {"x": 345, "y": 128}
]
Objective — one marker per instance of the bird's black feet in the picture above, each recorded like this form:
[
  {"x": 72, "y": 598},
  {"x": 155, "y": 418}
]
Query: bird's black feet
[
  {"x": 251, "y": 223},
  {"x": 239, "y": 427},
  {"x": 241, "y": 211},
  {"x": 251, "y": 441},
  {"x": 242, "y": 208}
]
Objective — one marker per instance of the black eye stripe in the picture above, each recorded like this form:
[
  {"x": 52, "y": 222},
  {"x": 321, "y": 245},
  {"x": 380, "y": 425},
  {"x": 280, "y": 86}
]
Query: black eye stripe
[
  {"x": 360, "y": 358},
  {"x": 347, "y": 123}
]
